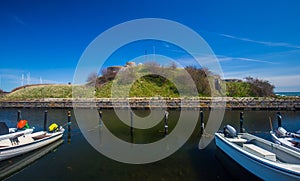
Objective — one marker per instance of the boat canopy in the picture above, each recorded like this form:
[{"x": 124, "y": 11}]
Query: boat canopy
[{"x": 3, "y": 128}]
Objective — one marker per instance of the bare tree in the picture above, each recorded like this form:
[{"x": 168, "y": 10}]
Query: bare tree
[
  {"x": 200, "y": 77},
  {"x": 152, "y": 67},
  {"x": 173, "y": 65},
  {"x": 126, "y": 76},
  {"x": 260, "y": 88},
  {"x": 109, "y": 74},
  {"x": 92, "y": 78}
]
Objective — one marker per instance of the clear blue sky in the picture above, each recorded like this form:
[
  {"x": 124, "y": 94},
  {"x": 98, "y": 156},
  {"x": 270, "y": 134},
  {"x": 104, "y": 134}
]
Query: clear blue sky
[{"x": 251, "y": 38}]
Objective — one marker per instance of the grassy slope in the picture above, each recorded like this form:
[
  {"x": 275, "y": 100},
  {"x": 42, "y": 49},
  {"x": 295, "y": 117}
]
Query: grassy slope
[
  {"x": 42, "y": 91},
  {"x": 144, "y": 87}
]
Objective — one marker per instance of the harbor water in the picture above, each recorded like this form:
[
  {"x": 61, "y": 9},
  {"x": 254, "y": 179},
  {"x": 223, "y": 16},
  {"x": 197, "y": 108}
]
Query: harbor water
[{"x": 75, "y": 159}]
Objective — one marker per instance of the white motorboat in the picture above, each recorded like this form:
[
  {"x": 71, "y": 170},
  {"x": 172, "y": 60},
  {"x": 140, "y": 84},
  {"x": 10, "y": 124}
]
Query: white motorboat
[
  {"x": 6, "y": 132},
  {"x": 285, "y": 138},
  {"x": 267, "y": 160},
  {"x": 12, "y": 147}
]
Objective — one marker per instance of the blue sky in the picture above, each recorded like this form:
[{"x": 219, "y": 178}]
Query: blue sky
[{"x": 251, "y": 38}]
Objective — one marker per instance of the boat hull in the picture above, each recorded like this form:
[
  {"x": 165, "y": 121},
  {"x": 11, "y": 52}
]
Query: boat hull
[
  {"x": 255, "y": 166},
  {"x": 10, "y": 152}
]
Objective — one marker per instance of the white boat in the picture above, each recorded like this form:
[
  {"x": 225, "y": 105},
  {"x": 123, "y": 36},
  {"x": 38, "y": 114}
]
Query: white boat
[
  {"x": 267, "y": 160},
  {"x": 6, "y": 132},
  {"x": 285, "y": 138},
  {"x": 19, "y": 145}
]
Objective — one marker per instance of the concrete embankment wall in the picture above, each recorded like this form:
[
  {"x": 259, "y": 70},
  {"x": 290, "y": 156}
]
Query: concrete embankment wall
[{"x": 170, "y": 103}]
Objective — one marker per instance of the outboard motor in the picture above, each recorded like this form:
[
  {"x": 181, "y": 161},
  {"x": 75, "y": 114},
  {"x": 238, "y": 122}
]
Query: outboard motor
[
  {"x": 23, "y": 124},
  {"x": 53, "y": 127},
  {"x": 281, "y": 131},
  {"x": 229, "y": 131}
]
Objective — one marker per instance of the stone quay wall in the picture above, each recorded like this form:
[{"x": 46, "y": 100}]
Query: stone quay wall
[{"x": 245, "y": 103}]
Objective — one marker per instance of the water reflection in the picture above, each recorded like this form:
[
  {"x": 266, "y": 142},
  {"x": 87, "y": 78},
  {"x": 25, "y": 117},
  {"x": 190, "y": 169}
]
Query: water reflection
[
  {"x": 233, "y": 168},
  {"x": 8, "y": 167},
  {"x": 80, "y": 161},
  {"x": 69, "y": 127}
]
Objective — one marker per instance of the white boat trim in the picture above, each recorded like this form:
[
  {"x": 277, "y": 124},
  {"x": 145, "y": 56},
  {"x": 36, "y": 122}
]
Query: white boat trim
[{"x": 13, "y": 132}]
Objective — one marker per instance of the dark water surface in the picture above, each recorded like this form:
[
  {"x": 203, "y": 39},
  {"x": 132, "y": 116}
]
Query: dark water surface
[{"x": 75, "y": 159}]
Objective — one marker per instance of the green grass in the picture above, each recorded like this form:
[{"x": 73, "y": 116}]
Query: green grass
[
  {"x": 153, "y": 87},
  {"x": 143, "y": 87},
  {"x": 42, "y": 91},
  {"x": 238, "y": 89},
  {"x": 50, "y": 91},
  {"x": 150, "y": 85}
]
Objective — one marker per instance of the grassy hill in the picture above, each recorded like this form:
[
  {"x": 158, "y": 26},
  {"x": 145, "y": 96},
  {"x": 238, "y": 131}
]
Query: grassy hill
[
  {"x": 151, "y": 83},
  {"x": 41, "y": 91},
  {"x": 144, "y": 87}
]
